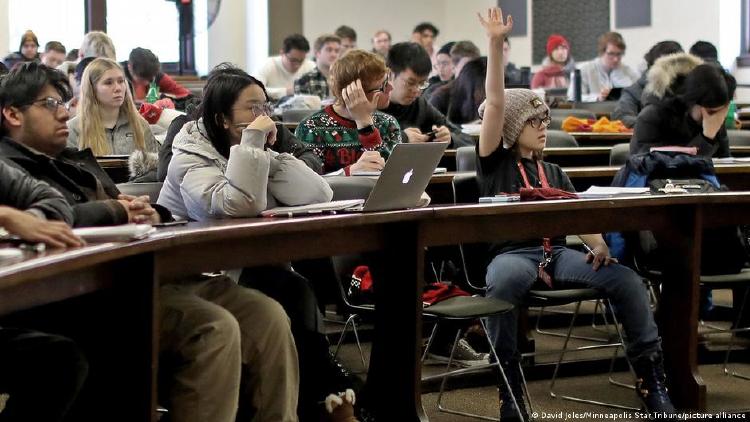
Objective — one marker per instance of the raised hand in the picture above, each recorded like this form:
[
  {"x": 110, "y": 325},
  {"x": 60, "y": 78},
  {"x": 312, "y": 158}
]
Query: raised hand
[{"x": 495, "y": 25}]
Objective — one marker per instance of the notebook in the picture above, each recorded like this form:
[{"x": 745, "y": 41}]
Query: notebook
[
  {"x": 121, "y": 233},
  {"x": 400, "y": 185}
]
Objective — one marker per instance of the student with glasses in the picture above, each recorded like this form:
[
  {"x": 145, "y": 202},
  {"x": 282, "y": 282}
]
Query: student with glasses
[
  {"x": 512, "y": 139},
  {"x": 108, "y": 122},
  {"x": 351, "y": 135},
  {"x": 607, "y": 71},
  {"x": 419, "y": 120},
  {"x": 278, "y": 73},
  {"x": 223, "y": 167}
]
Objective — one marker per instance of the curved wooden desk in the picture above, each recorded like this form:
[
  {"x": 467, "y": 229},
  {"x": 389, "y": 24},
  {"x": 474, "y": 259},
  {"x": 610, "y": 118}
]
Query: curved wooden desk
[{"x": 393, "y": 385}]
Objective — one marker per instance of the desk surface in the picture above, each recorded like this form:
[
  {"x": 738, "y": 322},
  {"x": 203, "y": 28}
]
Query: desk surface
[{"x": 402, "y": 236}]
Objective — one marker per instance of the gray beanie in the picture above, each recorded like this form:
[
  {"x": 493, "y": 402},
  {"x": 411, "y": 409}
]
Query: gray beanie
[{"x": 520, "y": 106}]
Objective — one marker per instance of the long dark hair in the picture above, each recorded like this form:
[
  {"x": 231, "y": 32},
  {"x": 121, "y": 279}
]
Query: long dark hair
[
  {"x": 468, "y": 92},
  {"x": 223, "y": 87}
]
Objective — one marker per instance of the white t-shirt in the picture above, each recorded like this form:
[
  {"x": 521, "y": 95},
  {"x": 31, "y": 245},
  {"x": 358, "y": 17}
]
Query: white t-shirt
[{"x": 276, "y": 78}]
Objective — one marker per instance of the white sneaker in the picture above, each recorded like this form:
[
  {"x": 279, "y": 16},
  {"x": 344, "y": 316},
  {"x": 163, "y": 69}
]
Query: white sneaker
[{"x": 464, "y": 356}]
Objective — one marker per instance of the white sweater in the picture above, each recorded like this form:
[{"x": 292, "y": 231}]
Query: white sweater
[{"x": 276, "y": 78}]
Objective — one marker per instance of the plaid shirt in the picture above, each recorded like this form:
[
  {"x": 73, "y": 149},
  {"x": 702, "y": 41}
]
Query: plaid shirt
[{"x": 312, "y": 83}]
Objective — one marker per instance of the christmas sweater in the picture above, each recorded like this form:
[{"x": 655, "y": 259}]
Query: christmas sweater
[{"x": 339, "y": 144}]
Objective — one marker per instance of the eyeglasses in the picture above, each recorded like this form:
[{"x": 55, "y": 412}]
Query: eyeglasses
[
  {"x": 614, "y": 53},
  {"x": 382, "y": 88},
  {"x": 416, "y": 85},
  {"x": 536, "y": 122},
  {"x": 53, "y": 103}
]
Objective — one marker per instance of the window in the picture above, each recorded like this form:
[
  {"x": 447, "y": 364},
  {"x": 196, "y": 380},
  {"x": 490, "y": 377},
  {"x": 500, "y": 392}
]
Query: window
[
  {"x": 50, "y": 20},
  {"x": 151, "y": 24}
]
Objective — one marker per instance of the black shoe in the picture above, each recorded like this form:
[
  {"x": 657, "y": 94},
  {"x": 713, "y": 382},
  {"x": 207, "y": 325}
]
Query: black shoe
[
  {"x": 508, "y": 409},
  {"x": 651, "y": 385}
]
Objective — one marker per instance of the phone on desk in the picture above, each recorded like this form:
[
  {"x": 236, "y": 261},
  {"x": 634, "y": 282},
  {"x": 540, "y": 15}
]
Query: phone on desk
[{"x": 170, "y": 223}]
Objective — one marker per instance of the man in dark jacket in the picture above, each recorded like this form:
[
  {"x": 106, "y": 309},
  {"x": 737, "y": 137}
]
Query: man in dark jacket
[{"x": 419, "y": 120}]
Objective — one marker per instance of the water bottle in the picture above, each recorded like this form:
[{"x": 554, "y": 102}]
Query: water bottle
[
  {"x": 575, "y": 79},
  {"x": 153, "y": 93},
  {"x": 729, "y": 121}
]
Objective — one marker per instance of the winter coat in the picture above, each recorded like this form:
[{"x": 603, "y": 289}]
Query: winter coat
[
  {"x": 19, "y": 190},
  {"x": 665, "y": 120},
  {"x": 201, "y": 184},
  {"x": 121, "y": 140}
]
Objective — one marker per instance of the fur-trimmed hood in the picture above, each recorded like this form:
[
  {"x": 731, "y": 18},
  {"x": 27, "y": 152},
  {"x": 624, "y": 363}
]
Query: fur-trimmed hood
[{"x": 665, "y": 71}]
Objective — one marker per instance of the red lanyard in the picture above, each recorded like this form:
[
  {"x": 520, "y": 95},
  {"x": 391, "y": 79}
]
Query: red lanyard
[
  {"x": 546, "y": 244},
  {"x": 539, "y": 168}
]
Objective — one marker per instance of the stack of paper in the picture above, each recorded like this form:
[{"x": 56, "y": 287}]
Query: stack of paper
[
  {"x": 608, "y": 191},
  {"x": 123, "y": 233}
]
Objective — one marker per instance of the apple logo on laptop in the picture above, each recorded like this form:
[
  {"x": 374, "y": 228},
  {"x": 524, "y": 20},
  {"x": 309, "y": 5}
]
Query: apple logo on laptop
[{"x": 407, "y": 176}]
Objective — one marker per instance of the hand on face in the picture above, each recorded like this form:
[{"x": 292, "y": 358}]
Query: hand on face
[
  {"x": 266, "y": 125},
  {"x": 713, "y": 120},
  {"x": 356, "y": 102}
]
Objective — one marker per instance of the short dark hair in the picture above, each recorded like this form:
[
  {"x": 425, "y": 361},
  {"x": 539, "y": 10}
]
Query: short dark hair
[
  {"x": 25, "y": 81},
  {"x": 296, "y": 42},
  {"x": 708, "y": 85},
  {"x": 324, "y": 39},
  {"x": 409, "y": 55},
  {"x": 705, "y": 50},
  {"x": 446, "y": 48},
  {"x": 81, "y": 66},
  {"x": 463, "y": 49},
  {"x": 661, "y": 48},
  {"x": 223, "y": 86},
  {"x": 72, "y": 55},
  {"x": 344, "y": 31},
  {"x": 426, "y": 26},
  {"x": 144, "y": 63},
  {"x": 56, "y": 46}
]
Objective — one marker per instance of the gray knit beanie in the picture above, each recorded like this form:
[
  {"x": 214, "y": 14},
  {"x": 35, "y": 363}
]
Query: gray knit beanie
[{"x": 520, "y": 106}]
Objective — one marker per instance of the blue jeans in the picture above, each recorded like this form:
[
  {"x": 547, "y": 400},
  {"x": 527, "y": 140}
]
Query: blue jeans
[{"x": 510, "y": 276}]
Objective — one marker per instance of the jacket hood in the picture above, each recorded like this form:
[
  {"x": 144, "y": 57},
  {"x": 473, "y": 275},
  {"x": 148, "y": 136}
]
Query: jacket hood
[
  {"x": 665, "y": 71},
  {"x": 191, "y": 140}
]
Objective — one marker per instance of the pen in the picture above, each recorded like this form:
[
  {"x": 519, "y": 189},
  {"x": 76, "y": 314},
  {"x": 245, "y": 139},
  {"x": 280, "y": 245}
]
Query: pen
[{"x": 588, "y": 248}]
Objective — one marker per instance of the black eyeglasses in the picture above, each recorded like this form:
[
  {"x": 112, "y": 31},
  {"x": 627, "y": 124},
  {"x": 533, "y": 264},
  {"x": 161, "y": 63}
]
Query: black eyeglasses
[
  {"x": 536, "y": 122},
  {"x": 382, "y": 88},
  {"x": 52, "y": 104}
]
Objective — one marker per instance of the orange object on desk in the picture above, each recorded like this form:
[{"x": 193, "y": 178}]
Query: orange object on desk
[{"x": 603, "y": 125}]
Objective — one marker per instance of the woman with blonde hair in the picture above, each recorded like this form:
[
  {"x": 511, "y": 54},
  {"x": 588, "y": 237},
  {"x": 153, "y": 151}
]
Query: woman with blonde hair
[{"x": 108, "y": 122}]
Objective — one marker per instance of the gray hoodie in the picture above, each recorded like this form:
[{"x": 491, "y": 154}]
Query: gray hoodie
[
  {"x": 201, "y": 184},
  {"x": 121, "y": 140}
]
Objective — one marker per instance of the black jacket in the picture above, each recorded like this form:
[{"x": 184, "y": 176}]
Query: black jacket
[
  {"x": 423, "y": 115},
  {"x": 669, "y": 123},
  {"x": 18, "y": 190},
  {"x": 80, "y": 179},
  {"x": 285, "y": 142}
]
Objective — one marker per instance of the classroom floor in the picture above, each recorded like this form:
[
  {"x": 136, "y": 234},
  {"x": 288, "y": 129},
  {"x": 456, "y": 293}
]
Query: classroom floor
[{"x": 476, "y": 393}]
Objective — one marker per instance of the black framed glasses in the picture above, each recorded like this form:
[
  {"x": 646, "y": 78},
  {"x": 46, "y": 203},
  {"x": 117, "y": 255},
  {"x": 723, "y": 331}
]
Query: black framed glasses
[
  {"x": 382, "y": 88},
  {"x": 52, "y": 104},
  {"x": 536, "y": 122}
]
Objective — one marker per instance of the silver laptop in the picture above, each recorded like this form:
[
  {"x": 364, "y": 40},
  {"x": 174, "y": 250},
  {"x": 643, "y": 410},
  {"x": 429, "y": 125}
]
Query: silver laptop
[{"x": 405, "y": 176}]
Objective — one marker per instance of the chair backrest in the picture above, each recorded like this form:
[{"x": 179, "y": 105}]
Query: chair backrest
[
  {"x": 474, "y": 256},
  {"x": 575, "y": 112},
  {"x": 599, "y": 107},
  {"x": 738, "y": 137},
  {"x": 296, "y": 115},
  {"x": 466, "y": 159},
  {"x": 151, "y": 189},
  {"x": 619, "y": 154},
  {"x": 559, "y": 138},
  {"x": 345, "y": 187}
]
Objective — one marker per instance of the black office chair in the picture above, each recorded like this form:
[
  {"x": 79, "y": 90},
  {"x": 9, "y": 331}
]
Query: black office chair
[
  {"x": 559, "y": 138},
  {"x": 619, "y": 154},
  {"x": 466, "y": 159},
  {"x": 474, "y": 262}
]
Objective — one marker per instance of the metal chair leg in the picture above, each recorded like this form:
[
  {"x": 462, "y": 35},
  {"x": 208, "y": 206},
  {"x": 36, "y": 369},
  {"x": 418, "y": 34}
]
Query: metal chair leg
[
  {"x": 429, "y": 342},
  {"x": 734, "y": 332},
  {"x": 351, "y": 320},
  {"x": 552, "y": 333}
]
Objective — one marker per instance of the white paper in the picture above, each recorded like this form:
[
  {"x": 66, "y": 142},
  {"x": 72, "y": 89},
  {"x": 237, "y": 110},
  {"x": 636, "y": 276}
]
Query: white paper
[
  {"x": 607, "y": 191},
  {"x": 122, "y": 233}
]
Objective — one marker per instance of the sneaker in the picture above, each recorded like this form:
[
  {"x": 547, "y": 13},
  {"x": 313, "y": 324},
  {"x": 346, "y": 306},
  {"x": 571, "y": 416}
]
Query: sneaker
[{"x": 464, "y": 356}]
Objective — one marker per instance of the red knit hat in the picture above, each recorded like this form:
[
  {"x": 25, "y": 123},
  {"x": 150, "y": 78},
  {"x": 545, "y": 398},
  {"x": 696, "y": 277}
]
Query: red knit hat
[{"x": 554, "y": 41}]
